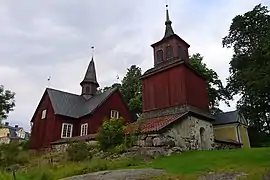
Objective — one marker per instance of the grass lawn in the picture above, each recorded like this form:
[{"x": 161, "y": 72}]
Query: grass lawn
[
  {"x": 190, "y": 165},
  {"x": 187, "y": 166}
]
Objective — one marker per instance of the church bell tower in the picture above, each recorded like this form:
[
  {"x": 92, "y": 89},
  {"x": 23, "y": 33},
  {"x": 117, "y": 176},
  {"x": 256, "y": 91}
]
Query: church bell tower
[
  {"x": 172, "y": 83},
  {"x": 89, "y": 84}
]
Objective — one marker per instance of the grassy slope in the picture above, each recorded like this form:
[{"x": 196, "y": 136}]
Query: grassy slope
[
  {"x": 254, "y": 162},
  {"x": 189, "y": 165}
]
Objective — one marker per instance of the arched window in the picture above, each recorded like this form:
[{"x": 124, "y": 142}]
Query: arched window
[
  {"x": 182, "y": 53},
  {"x": 169, "y": 52},
  {"x": 202, "y": 138},
  {"x": 159, "y": 56}
]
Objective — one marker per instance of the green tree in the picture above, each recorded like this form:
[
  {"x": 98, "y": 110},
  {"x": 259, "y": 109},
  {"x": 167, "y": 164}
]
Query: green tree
[
  {"x": 249, "y": 36},
  {"x": 215, "y": 89},
  {"x": 7, "y": 102},
  {"x": 131, "y": 90}
]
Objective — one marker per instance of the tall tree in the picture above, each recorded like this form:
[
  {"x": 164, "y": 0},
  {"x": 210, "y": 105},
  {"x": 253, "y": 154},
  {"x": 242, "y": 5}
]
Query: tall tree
[
  {"x": 249, "y": 36},
  {"x": 131, "y": 90},
  {"x": 215, "y": 89},
  {"x": 7, "y": 102}
]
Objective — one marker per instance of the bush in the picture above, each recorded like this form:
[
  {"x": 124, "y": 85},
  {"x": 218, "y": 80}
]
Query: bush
[
  {"x": 10, "y": 154},
  {"x": 78, "y": 151},
  {"x": 111, "y": 133}
]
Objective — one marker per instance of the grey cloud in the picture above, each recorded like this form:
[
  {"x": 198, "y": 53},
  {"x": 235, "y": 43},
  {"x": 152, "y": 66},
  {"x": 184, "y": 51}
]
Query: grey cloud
[{"x": 53, "y": 38}]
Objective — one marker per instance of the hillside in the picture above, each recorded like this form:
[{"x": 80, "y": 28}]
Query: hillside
[{"x": 254, "y": 163}]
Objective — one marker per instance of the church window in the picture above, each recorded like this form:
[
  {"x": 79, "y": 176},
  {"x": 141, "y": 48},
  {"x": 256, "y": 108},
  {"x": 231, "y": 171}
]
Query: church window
[
  {"x": 84, "y": 129},
  {"x": 159, "y": 56},
  {"x": 169, "y": 52},
  {"x": 43, "y": 114},
  {"x": 66, "y": 130},
  {"x": 182, "y": 53},
  {"x": 87, "y": 89},
  {"x": 114, "y": 114}
]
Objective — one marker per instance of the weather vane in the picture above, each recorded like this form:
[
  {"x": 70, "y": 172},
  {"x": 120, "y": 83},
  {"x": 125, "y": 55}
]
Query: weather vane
[
  {"x": 49, "y": 81},
  {"x": 93, "y": 49}
]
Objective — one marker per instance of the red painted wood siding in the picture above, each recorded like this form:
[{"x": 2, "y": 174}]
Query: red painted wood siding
[
  {"x": 164, "y": 89},
  {"x": 196, "y": 90},
  {"x": 42, "y": 130},
  {"x": 45, "y": 131},
  {"x": 114, "y": 102},
  {"x": 175, "y": 86}
]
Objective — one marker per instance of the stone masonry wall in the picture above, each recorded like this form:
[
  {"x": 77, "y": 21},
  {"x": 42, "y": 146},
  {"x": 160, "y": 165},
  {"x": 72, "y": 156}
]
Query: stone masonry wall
[
  {"x": 185, "y": 134},
  {"x": 63, "y": 146},
  {"x": 222, "y": 146}
]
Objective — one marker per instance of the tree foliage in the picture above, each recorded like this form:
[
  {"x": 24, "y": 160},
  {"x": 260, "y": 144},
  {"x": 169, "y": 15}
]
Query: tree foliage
[
  {"x": 249, "y": 36},
  {"x": 215, "y": 89},
  {"x": 7, "y": 102},
  {"x": 130, "y": 89},
  {"x": 111, "y": 133}
]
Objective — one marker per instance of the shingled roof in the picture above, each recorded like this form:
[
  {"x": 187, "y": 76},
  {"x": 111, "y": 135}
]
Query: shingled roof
[
  {"x": 76, "y": 106},
  {"x": 227, "y": 118}
]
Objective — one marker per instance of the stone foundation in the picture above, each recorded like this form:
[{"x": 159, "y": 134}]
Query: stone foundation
[
  {"x": 223, "y": 146},
  {"x": 62, "y": 147}
]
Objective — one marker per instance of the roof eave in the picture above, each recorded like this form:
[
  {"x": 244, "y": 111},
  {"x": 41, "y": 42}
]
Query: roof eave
[{"x": 169, "y": 37}]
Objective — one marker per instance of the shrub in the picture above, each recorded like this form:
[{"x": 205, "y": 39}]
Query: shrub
[
  {"x": 78, "y": 151},
  {"x": 9, "y": 154},
  {"x": 111, "y": 133}
]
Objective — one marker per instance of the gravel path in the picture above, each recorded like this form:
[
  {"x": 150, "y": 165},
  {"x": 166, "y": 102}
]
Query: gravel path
[
  {"x": 124, "y": 174},
  {"x": 222, "y": 176}
]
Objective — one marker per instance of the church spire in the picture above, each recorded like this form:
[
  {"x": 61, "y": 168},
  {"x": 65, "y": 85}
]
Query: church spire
[
  {"x": 89, "y": 83},
  {"x": 90, "y": 75},
  {"x": 168, "y": 23}
]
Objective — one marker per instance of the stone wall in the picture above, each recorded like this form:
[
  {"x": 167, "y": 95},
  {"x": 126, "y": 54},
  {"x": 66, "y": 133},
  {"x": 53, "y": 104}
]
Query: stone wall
[
  {"x": 184, "y": 134},
  {"x": 63, "y": 146},
  {"x": 187, "y": 134},
  {"x": 222, "y": 146}
]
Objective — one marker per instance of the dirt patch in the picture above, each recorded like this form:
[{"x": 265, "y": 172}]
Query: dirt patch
[
  {"x": 266, "y": 176},
  {"x": 125, "y": 174},
  {"x": 222, "y": 176}
]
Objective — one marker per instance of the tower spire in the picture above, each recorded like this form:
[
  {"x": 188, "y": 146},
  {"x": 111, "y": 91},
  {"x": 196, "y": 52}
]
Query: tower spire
[
  {"x": 89, "y": 83},
  {"x": 168, "y": 31}
]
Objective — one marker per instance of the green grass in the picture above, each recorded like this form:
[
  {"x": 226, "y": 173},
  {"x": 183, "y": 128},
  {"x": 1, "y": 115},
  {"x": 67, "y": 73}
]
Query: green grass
[
  {"x": 254, "y": 162},
  {"x": 188, "y": 165},
  {"x": 48, "y": 172}
]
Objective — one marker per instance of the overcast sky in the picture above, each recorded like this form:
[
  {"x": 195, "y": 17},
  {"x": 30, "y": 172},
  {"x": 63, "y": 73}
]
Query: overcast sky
[{"x": 53, "y": 38}]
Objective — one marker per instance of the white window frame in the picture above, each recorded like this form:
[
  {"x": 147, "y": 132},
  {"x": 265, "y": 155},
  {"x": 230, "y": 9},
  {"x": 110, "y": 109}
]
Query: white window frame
[
  {"x": 64, "y": 134},
  {"x": 43, "y": 113},
  {"x": 114, "y": 114},
  {"x": 84, "y": 129}
]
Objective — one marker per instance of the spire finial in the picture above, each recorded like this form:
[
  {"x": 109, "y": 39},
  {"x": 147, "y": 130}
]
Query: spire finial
[
  {"x": 49, "y": 81},
  {"x": 93, "y": 51},
  {"x": 167, "y": 13},
  {"x": 168, "y": 23}
]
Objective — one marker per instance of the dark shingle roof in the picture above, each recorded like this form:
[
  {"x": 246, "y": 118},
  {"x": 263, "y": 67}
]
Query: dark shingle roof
[
  {"x": 227, "y": 117},
  {"x": 73, "y": 105}
]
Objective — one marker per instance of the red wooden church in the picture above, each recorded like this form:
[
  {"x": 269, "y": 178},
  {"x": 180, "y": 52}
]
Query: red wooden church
[{"x": 62, "y": 115}]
